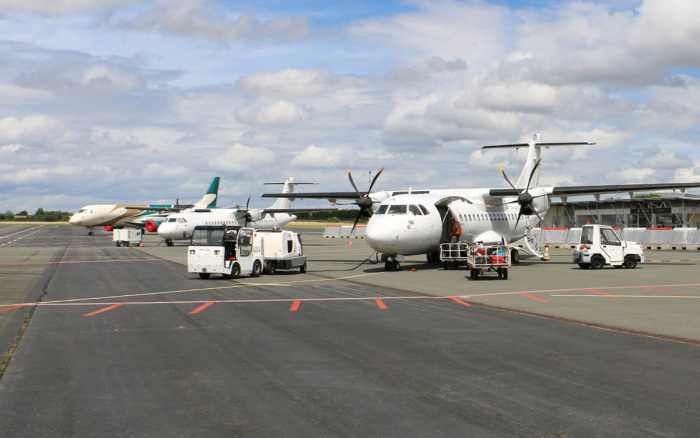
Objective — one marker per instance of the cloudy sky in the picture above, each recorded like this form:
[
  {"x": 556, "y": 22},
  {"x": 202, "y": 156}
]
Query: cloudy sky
[{"x": 125, "y": 100}]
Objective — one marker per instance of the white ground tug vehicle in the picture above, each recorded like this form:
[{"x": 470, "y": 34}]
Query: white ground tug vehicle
[
  {"x": 600, "y": 245},
  {"x": 479, "y": 258},
  {"x": 127, "y": 236},
  {"x": 233, "y": 251}
]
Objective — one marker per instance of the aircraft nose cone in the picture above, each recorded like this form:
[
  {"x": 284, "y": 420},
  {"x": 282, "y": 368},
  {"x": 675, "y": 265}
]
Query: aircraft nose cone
[
  {"x": 380, "y": 237},
  {"x": 74, "y": 220}
]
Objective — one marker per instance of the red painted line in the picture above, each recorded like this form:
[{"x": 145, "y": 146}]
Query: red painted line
[
  {"x": 295, "y": 306},
  {"x": 602, "y": 293},
  {"x": 380, "y": 303},
  {"x": 533, "y": 297},
  {"x": 458, "y": 301},
  {"x": 202, "y": 307},
  {"x": 5, "y": 309},
  {"x": 102, "y": 310}
]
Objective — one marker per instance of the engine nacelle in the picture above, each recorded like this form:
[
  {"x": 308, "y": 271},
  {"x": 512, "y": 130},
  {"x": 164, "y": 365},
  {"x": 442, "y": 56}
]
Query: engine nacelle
[{"x": 150, "y": 226}]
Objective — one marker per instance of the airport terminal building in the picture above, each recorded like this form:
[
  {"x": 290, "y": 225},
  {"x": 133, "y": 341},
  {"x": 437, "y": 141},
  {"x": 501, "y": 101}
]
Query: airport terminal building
[{"x": 649, "y": 211}]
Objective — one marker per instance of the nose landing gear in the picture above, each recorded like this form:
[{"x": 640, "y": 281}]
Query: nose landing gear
[{"x": 391, "y": 264}]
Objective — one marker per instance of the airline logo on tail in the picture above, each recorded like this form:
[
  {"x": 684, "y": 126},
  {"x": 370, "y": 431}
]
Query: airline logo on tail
[{"x": 209, "y": 199}]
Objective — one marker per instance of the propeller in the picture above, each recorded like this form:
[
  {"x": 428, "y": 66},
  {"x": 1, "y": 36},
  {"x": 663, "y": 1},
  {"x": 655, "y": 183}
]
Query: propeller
[
  {"x": 364, "y": 201},
  {"x": 525, "y": 199}
]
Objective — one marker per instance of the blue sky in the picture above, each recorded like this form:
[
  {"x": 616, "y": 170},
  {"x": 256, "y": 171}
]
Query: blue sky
[{"x": 127, "y": 100}]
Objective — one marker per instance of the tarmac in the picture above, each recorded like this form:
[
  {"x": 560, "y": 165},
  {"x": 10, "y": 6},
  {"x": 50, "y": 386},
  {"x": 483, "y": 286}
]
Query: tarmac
[{"x": 106, "y": 341}]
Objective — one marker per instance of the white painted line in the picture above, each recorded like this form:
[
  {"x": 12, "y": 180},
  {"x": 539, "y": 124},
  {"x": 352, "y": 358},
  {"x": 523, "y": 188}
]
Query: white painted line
[{"x": 690, "y": 297}]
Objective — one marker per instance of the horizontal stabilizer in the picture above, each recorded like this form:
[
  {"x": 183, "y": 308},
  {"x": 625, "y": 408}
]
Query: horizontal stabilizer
[
  {"x": 290, "y": 183},
  {"x": 524, "y": 145}
]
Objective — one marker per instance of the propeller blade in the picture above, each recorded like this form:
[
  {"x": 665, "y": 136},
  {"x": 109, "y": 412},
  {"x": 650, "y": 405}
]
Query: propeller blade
[
  {"x": 503, "y": 172},
  {"x": 538, "y": 215},
  {"x": 357, "y": 219},
  {"x": 374, "y": 180},
  {"x": 532, "y": 173},
  {"x": 516, "y": 223},
  {"x": 352, "y": 182},
  {"x": 247, "y": 203}
]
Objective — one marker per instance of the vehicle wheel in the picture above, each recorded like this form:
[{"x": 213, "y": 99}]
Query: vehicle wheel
[
  {"x": 127, "y": 244},
  {"x": 204, "y": 275},
  {"x": 597, "y": 262},
  {"x": 118, "y": 244},
  {"x": 270, "y": 268},
  {"x": 584, "y": 266},
  {"x": 257, "y": 268},
  {"x": 397, "y": 266},
  {"x": 387, "y": 266},
  {"x": 302, "y": 269},
  {"x": 235, "y": 270},
  {"x": 514, "y": 256},
  {"x": 446, "y": 266},
  {"x": 630, "y": 263},
  {"x": 505, "y": 274},
  {"x": 474, "y": 274}
]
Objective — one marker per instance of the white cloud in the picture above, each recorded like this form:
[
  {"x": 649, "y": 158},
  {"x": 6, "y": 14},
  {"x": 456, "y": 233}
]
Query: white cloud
[
  {"x": 288, "y": 82},
  {"x": 29, "y": 128},
  {"x": 315, "y": 156},
  {"x": 241, "y": 157},
  {"x": 635, "y": 174},
  {"x": 105, "y": 77},
  {"x": 60, "y": 6},
  {"x": 281, "y": 112},
  {"x": 15, "y": 92},
  {"x": 203, "y": 19},
  {"x": 666, "y": 159}
]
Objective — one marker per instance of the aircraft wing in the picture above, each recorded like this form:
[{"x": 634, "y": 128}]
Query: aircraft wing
[
  {"x": 593, "y": 190},
  {"x": 317, "y": 195},
  {"x": 297, "y": 210}
]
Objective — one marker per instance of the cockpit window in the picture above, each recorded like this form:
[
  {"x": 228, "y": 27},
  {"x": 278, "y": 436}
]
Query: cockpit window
[
  {"x": 381, "y": 209},
  {"x": 424, "y": 210},
  {"x": 82, "y": 210},
  {"x": 172, "y": 219},
  {"x": 415, "y": 210},
  {"x": 397, "y": 209}
]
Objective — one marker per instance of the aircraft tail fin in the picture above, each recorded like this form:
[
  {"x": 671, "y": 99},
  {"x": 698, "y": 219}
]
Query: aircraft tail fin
[
  {"x": 534, "y": 151},
  {"x": 209, "y": 198}
]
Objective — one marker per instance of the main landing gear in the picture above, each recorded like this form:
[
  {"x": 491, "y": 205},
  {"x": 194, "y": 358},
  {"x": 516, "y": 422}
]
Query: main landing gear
[
  {"x": 168, "y": 242},
  {"x": 391, "y": 264}
]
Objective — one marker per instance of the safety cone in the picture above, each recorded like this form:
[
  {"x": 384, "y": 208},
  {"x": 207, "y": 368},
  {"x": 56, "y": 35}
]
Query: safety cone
[{"x": 545, "y": 256}]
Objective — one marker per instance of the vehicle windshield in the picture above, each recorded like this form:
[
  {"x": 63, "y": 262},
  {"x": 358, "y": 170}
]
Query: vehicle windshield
[
  {"x": 587, "y": 235},
  {"x": 245, "y": 242},
  {"x": 207, "y": 237}
]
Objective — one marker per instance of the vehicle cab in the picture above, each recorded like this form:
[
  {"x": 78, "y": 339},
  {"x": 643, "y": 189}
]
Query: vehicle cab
[
  {"x": 601, "y": 245},
  {"x": 230, "y": 251}
]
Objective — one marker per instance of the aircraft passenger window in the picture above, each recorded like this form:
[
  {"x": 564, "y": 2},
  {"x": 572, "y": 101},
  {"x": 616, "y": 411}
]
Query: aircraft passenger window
[
  {"x": 424, "y": 210},
  {"x": 414, "y": 209},
  {"x": 381, "y": 209},
  {"x": 397, "y": 209}
]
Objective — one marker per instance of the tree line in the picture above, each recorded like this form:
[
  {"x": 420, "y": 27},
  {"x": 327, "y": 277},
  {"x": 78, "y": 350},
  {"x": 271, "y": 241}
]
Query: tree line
[{"x": 40, "y": 215}]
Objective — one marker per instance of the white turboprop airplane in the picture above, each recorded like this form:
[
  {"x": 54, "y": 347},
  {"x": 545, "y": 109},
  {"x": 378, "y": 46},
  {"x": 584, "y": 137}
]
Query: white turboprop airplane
[
  {"x": 179, "y": 226},
  {"x": 148, "y": 216},
  {"x": 416, "y": 221}
]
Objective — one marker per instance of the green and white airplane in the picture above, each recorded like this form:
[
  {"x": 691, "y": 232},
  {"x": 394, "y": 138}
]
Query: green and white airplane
[{"x": 146, "y": 216}]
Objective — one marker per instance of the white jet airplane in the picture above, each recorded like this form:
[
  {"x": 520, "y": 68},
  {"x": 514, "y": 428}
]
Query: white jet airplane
[
  {"x": 415, "y": 222},
  {"x": 179, "y": 226},
  {"x": 148, "y": 216}
]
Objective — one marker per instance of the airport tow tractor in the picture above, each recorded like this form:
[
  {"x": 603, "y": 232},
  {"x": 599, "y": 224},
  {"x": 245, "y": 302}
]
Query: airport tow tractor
[
  {"x": 232, "y": 251},
  {"x": 479, "y": 258},
  {"x": 600, "y": 245},
  {"x": 127, "y": 236}
]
